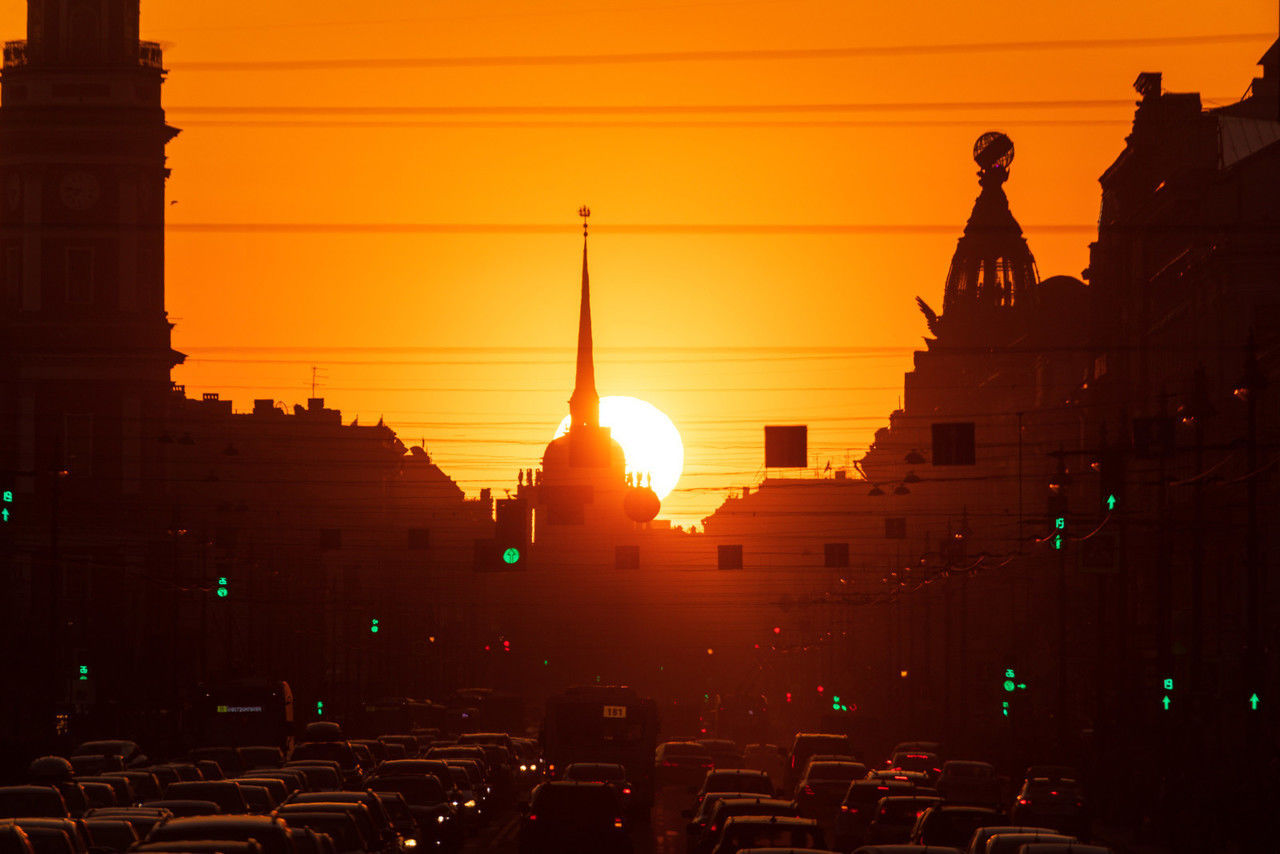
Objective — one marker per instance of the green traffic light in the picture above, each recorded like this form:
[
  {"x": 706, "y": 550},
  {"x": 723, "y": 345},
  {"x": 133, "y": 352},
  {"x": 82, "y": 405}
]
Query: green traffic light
[
  {"x": 373, "y": 626},
  {"x": 1009, "y": 685},
  {"x": 222, "y": 590},
  {"x": 511, "y": 555}
]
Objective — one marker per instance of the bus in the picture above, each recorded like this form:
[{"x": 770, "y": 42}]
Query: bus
[
  {"x": 603, "y": 723},
  {"x": 245, "y": 713}
]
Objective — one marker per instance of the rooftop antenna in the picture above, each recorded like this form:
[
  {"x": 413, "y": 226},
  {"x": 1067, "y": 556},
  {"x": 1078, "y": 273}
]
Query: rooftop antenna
[{"x": 585, "y": 213}]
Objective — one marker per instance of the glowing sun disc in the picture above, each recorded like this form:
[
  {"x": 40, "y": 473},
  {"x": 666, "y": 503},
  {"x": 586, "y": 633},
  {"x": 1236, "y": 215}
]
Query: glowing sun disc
[{"x": 649, "y": 440}]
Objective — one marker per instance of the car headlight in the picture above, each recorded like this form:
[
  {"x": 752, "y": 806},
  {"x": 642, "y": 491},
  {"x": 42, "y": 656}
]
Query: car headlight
[
  {"x": 411, "y": 843},
  {"x": 471, "y": 804},
  {"x": 440, "y": 819}
]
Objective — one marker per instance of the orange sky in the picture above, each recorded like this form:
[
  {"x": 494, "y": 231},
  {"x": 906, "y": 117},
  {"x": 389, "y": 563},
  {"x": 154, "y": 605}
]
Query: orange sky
[{"x": 464, "y": 339}]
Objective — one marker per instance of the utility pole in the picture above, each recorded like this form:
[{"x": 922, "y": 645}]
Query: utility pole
[{"x": 1250, "y": 390}]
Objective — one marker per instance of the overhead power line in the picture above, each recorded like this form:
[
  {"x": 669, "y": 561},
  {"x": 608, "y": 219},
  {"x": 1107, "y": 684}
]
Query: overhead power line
[
  {"x": 756, "y": 55},
  {"x": 547, "y": 228},
  {"x": 660, "y": 124},
  {"x": 645, "y": 109}
]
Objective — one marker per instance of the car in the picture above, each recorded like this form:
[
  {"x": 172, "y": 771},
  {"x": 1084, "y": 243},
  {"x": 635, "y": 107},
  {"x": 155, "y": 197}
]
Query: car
[
  {"x": 952, "y": 824},
  {"x": 978, "y": 841},
  {"x": 228, "y": 758},
  {"x": 259, "y": 797},
  {"x": 724, "y": 752},
  {"x": 114, "y": 834},
  {"x": 120, "y": 785},
  {"x": 382, "y": 824},
  {"x": 566, "y": 815},
  {"x": 438, "y": 820},
  {"x": 322, "y": 774},
  {"x": 96, "y": 764},
  {"x": 807, "y": 744},
  {"x": 14, "y": 840},
  {"x": 260, "y": 756},
  {"x": 376, "y": 749},
  {"x": 206, "y": 846},
  {"x": 1052, "y": 803},
  {"x": 407, "y": 743},
  {"x": 16, "y": 801},
  {"x": 465, "y": 797},
  {"x": 921, "y": 761},
  {"x": 700, "y": 818},
  {"x": 823, "y": 786},
  {"x": 348, "y": 824},
  {"x": 146, "y": 786},
  {"x": 1011, "y": 843},
  {"x": 225, "y": 793},
  {"x": 401, "y": 818},
  {"x": 142, "y": 818},
  {"x": 278, "y": 788},
  {"x": 906, "y": 849},
  {"x": 307, "y": 841},
  {"x": 127, "y": 750},
  {"x": 185, "y": 807},
  {"x": 1062, "y": 848},
  {"x": 683, "y": 763},
  {"x": 765, "y": 757},
  {"x": 291, "y": 778},
  {"x": 734, "y": 780},
  {"x": 758, "y": 831},
  {"x": 895, "y": 816},
  {"x": 48, "y": 833},
  {"x": 98, "y": 794},
  {"x": 605, "y": 772},
  {"x": 724, "y": 808},
  {"x": 859, "y": 807},
  {"x": 968, "y": 782}
]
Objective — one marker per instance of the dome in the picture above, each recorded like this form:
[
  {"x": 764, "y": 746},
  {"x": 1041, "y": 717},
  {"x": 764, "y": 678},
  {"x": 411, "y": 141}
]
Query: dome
[
  {"x": 641, "y": 504},
  {"x": 585, "y": 450}
]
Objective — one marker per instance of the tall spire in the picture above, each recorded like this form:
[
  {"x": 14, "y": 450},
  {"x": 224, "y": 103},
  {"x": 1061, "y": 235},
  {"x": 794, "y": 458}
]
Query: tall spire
[{"x": 584, "y": 403}]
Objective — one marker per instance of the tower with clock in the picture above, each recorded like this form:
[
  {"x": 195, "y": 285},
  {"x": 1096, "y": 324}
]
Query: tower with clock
[{"x": 85, "y": 349}]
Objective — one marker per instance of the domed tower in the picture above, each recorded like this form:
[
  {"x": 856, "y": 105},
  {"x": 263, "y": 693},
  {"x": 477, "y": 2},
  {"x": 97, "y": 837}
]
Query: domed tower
[
  {"x": 583, "y": 481},
  {"x": 992, "y": 268}
]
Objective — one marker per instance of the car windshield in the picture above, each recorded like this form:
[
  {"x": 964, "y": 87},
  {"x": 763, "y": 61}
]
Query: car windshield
[
  {"x": 602, "y": 773},
  {"x": 334, "y": 751},
  {"x": 574, "y": 803},
  {"x": 835, "y": 771},
  {"x": 679, "y": 748},
  {"x": 904, "y": 811},
  {"x": 417, "y": 791}
]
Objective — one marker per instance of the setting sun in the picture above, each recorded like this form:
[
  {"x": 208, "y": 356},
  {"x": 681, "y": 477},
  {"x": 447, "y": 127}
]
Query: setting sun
[{"x": 648, "y": 438}]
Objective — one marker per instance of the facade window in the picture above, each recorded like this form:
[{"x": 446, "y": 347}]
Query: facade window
[
  {"x": 79, "y": 275},
  {"x": 77, "y": 444}
]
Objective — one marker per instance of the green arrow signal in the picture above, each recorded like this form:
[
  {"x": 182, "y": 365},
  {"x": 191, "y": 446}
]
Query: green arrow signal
[
  {"x": 1111, "y": 502},
  {"x": 1253, "y": 702},
  {"x": 1166, "y": 702}
]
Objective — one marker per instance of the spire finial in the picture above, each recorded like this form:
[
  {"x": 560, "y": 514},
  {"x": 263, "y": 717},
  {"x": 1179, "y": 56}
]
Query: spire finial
[{"x": 585, "y": 213}]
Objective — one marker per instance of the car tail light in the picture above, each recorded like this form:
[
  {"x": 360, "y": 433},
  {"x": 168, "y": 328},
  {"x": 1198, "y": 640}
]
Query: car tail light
[
  {"x": 846, "y": 808},
  {"x": 1023, "y": 801},
  {"x": 626, "y": 790},
  {"x": 533, "y": 816},
  {"x": 617, "y": 823},
  {"x": 714, "y": 828},
  {"x": 708, "y": 765},
  {"x": 808, "y": 790}
]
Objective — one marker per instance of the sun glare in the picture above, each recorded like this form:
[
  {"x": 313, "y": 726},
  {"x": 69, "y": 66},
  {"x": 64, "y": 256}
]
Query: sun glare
[{"x": 649, "y": 440}]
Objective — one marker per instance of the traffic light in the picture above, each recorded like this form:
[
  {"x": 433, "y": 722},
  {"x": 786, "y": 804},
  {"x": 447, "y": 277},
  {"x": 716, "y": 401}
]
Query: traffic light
[
  {"x": 1111, "y": 477},
  {"x": 1057, "y": 512},
  {"x": 374, "y": 626},
  {"x": 511, "y": 531},
  {"x": 223, "y": 590},
  {"x": 84, "y": 673},
  {"x": 837, "y": 704},
  {"x": 319, "y": 708},
  {"x": 1010, "y": 687},
  {"x": 1167, "y": 699},
  {"x": 6, "y": 506}
]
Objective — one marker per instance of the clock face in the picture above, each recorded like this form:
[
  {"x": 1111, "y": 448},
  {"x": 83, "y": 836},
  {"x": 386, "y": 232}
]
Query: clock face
[
  {"x": 13, "y": 191},
  {"x": 79, "y": 190}
]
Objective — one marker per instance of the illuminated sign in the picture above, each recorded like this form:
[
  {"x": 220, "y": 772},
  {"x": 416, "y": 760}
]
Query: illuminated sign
[
  {"x": 615, "y": 711},
  {"x": 232, "y": 710}
]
